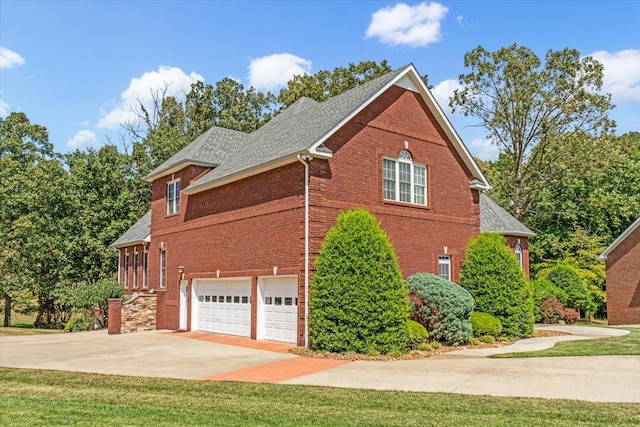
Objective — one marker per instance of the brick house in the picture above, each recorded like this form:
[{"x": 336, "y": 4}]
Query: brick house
[
  {"x": 622, "y": 260},
  {"x": 237, "y": 219}
]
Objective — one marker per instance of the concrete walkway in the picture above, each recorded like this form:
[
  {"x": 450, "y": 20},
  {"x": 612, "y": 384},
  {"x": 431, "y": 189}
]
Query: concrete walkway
[
  {"x": 469, "y": 371},
  {"x": 196, "y": 355}
]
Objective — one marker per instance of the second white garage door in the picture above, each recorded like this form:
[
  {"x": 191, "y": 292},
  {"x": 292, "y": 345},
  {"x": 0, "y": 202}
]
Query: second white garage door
[
  {"x": 278, "y": 317},
  {"x": 223, "y": 306}
]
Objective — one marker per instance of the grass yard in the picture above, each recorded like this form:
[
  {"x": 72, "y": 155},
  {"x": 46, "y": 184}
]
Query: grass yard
[
  {"x": 33, "y": 397},
  {"x": 22, "y": 324},
  {"x": 625, "y": 345}
]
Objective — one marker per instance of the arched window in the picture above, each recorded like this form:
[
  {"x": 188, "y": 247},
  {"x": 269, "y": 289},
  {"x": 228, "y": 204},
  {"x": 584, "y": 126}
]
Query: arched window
[
  {"x": 518, "y": 252},
  {"x": 404, "y": 180}
]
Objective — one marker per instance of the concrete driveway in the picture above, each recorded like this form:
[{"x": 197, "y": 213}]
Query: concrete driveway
[
  {"x": 162, "y": 354},
  {"x": 148, "y": 354}
]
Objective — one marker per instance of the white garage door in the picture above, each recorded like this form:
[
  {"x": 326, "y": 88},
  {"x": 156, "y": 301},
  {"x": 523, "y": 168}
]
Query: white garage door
[
  {"x": 223, "y": 306},
  {"x": 279, "y": 303}
]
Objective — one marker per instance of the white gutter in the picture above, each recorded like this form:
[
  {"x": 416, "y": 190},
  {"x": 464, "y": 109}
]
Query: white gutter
[
  {"x": 119, "y": 255},
  {"x": 304, "y": 160}
]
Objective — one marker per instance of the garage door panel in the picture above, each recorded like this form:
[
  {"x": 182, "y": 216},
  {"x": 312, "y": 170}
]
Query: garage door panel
[
  {"x": 223, "y": 307},
  {"x": 279, "y": 308}
]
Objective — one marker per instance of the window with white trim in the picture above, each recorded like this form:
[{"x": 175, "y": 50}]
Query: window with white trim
[
  {"x": 173, "y": 197},
  {"x": 145, "y": 269},
  {"x": 518, "y": 252},
  {"x": 163, "y": 268},
  {"x": 444, "y": 266},
  {"x": 403, "y": 180},
  {"x": 135, "y": 269},
  {"x": 126, "y": 270}
]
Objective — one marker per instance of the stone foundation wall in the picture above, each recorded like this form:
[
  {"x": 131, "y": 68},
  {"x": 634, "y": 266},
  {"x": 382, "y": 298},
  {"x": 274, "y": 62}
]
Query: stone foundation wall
[{"x": 136, "y": 315}]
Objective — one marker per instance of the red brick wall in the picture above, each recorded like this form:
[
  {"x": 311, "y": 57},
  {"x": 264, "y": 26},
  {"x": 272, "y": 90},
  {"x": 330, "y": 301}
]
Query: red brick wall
[
  {"x": 248, "y": 227},
  {"x": 398, "y": 120},
  {"x": 241, "y": 229},
  {"x": 524, "y": 243},
  {"x": 115, "y": 316},
  {"x": 623, "y": 281}
]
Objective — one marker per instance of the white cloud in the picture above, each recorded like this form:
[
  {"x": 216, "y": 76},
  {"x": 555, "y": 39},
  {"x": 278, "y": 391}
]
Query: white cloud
[
  {"x": 82, "y": 138},
  {"x": 484, "y": 149},
  {"x": 402, "y": 24},
  {"x": 9, "y": 58},
  {"x": 4, "y": 109},
  {"x": 141, "y": 89},
  {"x": 443, "y": 91},
  {"x": 621, "y": 74},
  {"x": 273, "y": 71}
]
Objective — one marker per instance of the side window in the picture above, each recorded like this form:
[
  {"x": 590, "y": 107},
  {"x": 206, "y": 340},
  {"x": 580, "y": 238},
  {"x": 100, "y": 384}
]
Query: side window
[
  {"x": 145, "y": 268},
  {"x": 444, "y": 266},
  {"x": 518, "y": 252},
  {"x": 126, "y": 270},
  {"x": 173, "y": 197},
  {"x": 135, "y": 269},
  {"x": 163, "y": 268}
]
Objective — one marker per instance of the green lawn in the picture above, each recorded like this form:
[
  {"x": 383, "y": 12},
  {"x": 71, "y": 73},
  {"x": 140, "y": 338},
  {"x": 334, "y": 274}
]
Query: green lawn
[
  {"x": 27, "y": 331},
  {"x": 33, "y": 397},
  {"x": 625, "y": 345}
]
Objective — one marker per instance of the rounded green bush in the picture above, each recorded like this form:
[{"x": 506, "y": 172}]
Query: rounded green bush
[
  {"x": 485, "y": 324},
  {"x": 358, "y": 299},
  {"x": 442, "y": 307},
  {"x": 492, "y": 274},
  {"x": 418, "y": 334},
  {"x": 567, "y": 278},
  {"x": 543, "y": 289}
]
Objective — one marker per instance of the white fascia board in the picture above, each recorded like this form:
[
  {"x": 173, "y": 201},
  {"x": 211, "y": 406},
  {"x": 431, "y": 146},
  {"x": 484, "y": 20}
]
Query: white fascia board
[
  {"x": 620, "y": 238},
  {"x": 411, "y": 80},
  {"x": 246, "y": 173},
  {"x": 133, "y": 243},
  {"x": 178, "y": 166}
]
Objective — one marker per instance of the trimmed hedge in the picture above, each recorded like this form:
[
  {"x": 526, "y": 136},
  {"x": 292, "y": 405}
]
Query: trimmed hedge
[
  {"x": 485, "y": 324},
  {"x": 492, "y": 274},
  {"x": 442, "y": 307},
  {"x": 358, "y": 298}
]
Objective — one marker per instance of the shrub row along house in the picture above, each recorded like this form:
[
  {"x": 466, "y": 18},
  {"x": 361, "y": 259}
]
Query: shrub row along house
[{"x": 238, "y": 218}]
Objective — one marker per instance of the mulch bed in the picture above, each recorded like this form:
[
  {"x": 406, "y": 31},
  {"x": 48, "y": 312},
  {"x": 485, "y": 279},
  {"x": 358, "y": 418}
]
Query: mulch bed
[{"x": 415, "y": 354}]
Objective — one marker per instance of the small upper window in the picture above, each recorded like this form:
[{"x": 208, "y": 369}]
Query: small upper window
[
  {"x": 173, "y": 197},
  {"x": 403, "y": 180},
  {"x": 518, "y": 252},
  {"x": 444, "y": 267}
]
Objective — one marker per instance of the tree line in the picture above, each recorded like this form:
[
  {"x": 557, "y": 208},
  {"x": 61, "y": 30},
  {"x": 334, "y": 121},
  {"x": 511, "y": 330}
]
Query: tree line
[{"x": 562, "y": 170}]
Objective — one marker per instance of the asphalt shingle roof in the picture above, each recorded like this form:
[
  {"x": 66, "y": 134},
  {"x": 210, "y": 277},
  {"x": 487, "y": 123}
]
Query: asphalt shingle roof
[
  {"x": 296, "y": 129},
  {"x": 493, "y": 218},
  {"x": 210, "y": 148},
  {"x": 137, "y": 233}
]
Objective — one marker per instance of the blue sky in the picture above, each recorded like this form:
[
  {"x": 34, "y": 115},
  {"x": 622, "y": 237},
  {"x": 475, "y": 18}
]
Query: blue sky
[{"x": 78, "y": 67}]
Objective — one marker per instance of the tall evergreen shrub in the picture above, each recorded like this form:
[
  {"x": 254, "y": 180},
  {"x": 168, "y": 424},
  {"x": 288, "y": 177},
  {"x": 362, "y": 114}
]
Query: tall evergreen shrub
[
  {"x": 358, "y": 298},
  {"x": 492, "y": 274}
]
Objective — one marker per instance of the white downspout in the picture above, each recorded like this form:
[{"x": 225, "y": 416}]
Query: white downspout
[{"x": 304, "y": 160}]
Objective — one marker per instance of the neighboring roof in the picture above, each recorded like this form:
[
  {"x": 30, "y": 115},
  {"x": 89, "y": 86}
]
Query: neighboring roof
[
  {"x": 301, "y": 129},
  {"x": 209, "y": 149},
  {"x": 493, "y": 218},
  {"x": 621, "y": 238},
  {"x": 138, "y": 233}
]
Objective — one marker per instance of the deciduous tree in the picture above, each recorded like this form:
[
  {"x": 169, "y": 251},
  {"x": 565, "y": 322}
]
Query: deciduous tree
[{"x": 529, "y": 108}]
